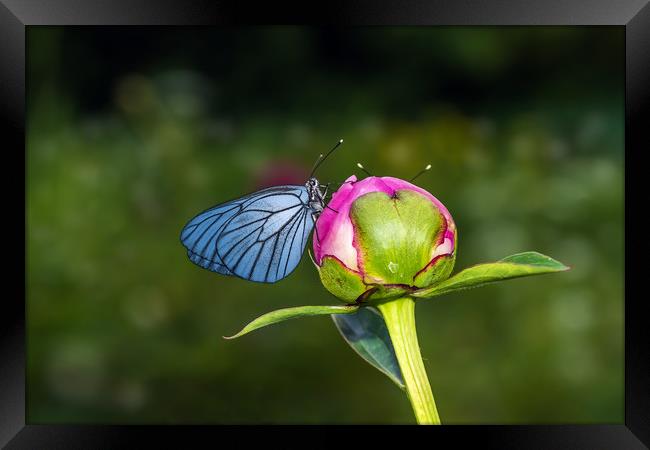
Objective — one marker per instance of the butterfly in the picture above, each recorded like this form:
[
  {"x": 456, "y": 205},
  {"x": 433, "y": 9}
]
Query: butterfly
[{"x": 260, "y": 236}]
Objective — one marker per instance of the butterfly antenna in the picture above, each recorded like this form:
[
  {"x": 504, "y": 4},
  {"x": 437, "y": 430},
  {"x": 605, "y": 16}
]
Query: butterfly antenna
[
  {"x": 360, "y": 166},
  {"x": 322, "y": 158},
  {"x": 427, "y": 168}
]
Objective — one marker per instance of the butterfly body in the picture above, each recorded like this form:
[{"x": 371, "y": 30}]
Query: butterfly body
[
  {"x": 316, "y": 196},
  {"x": 260, "y": 236}
]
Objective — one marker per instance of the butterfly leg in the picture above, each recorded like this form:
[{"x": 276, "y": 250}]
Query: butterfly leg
[
  {"x": 324, "y": 194},
  {"x": 314, "y": 217}
]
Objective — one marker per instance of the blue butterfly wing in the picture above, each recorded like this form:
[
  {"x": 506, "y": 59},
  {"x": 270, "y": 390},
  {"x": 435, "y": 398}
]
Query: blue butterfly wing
[
  {"x": 260, "y": 237},
  {"x": 200, "y": 234},
  {"x": 265, "y": 241}
]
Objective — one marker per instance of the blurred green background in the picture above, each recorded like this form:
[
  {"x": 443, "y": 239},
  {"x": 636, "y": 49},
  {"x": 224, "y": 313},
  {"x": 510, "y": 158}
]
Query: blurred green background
[{"x": 132, "y": 131}]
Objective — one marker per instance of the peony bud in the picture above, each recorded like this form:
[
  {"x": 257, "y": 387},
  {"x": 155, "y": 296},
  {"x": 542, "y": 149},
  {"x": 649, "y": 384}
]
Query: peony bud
[{"x": 383, "y": 235}]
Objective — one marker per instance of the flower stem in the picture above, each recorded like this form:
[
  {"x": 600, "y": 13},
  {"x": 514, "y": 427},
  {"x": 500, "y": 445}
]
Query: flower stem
[{"x": 399, "y": 315}]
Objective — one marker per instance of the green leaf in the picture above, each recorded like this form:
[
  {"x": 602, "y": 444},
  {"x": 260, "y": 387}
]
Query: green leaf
[
  {"x": 519, "y": 265},
  {"x": 367, "y": 334},
  {"x": 281, "y": 315}
]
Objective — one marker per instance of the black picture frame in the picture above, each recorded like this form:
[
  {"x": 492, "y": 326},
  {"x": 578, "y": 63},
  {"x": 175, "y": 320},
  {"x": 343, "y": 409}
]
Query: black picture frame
[{"x": 633, "y": 15}]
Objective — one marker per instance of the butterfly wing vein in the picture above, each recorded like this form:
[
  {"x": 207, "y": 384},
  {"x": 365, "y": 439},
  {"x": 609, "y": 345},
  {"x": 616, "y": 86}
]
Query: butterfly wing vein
[{"x": 258, "y": 237}]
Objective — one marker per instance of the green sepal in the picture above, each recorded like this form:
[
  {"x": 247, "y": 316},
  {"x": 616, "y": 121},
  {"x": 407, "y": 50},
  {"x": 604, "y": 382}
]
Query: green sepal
[
  {"x": 439, "y": 270},
  {"x": 383, "y": 292},
  {"x": 281, "y": 315},
  {"x": 343, "y": 283},
  {"x": 514, "y": 266}
]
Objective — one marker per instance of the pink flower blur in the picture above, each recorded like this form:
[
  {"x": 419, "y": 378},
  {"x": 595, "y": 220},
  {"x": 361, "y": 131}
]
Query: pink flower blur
[{"x": 280, "y": 172}]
